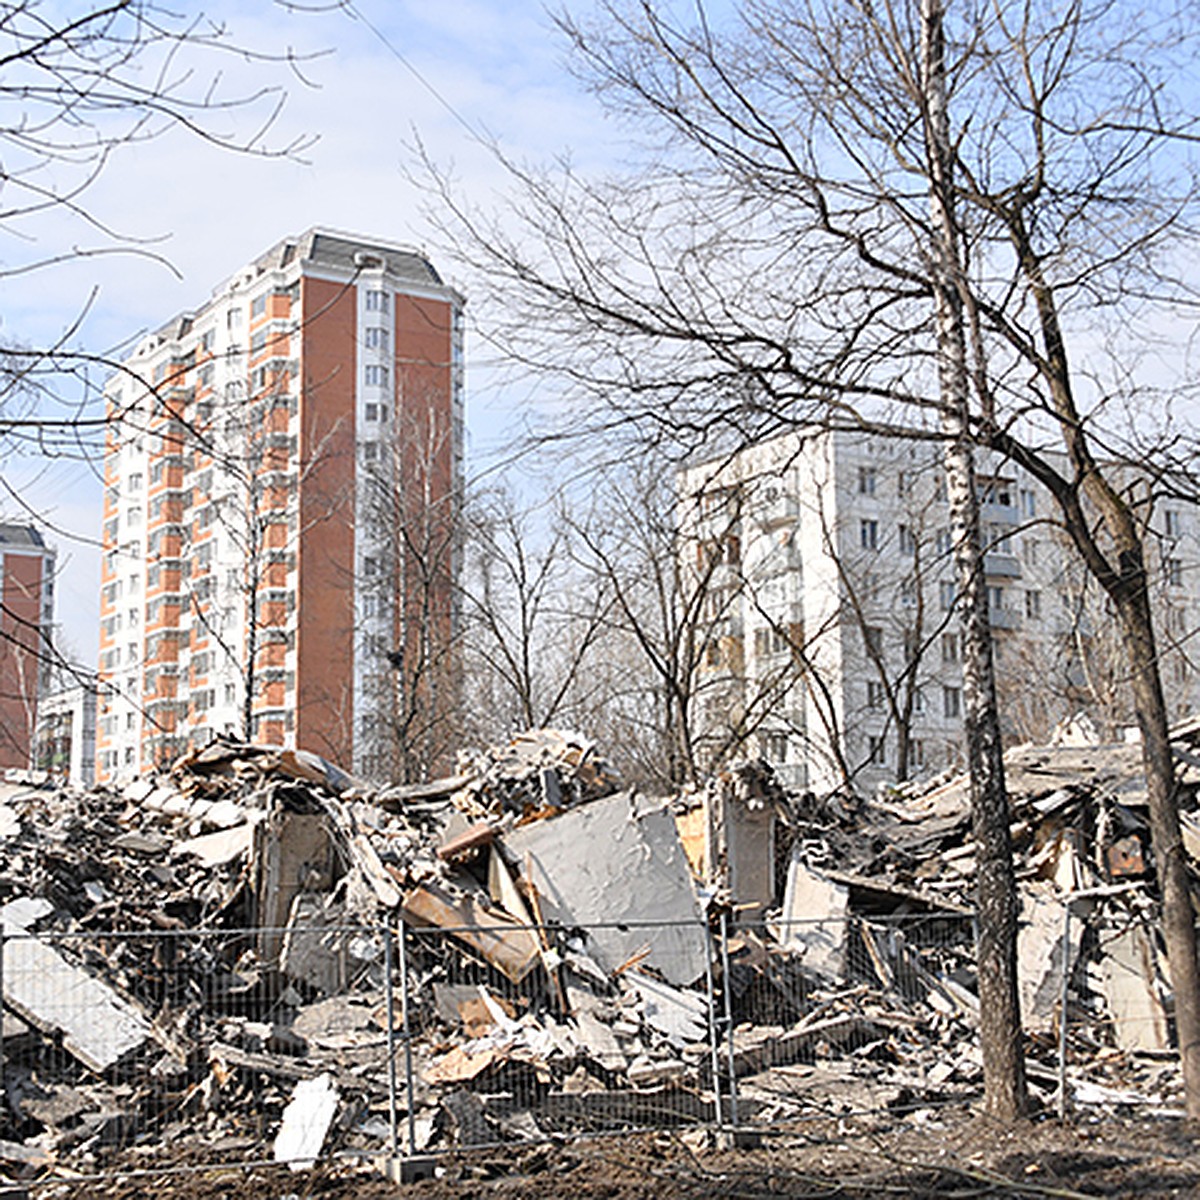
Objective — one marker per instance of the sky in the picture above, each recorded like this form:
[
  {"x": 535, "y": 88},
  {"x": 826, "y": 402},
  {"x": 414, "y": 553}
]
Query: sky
[{"x": 370, "y": 80}]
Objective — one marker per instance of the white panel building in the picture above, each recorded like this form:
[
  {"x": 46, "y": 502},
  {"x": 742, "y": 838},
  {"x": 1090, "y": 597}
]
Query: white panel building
[{"x": 834, "y": 636}]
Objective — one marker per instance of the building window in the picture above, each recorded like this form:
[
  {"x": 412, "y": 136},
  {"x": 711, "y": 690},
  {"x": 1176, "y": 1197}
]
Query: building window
[
  {"x": 770, "y": 640},
  {"x": 918, "y": 705},
  {"x": 916, "y": 753},
  {"x": 372, "y": 412},
  {"x": 951, "y": 703},
  {"x": 866, "y": 481},
  {"x": 868, "y": 534},
  {"x": 377, "y": 375},
  {"x": 377, "y": 338},
  {"x": 874, "y": 693},
  {"x": 1029, "y": 551},
  {"x": 904, "y": 483},
  {"x": 1028, "y": 502},
  {"x": 370, "y": 566},
  {"x": 1033, "y": 605},
  {"x": 873, "y": 639},
  {"x": 877, "y": 750},
  {"x": 774, "y": 746},
  {"x": 908, "y": 592},
  {"x": 370, "y": 450},
  {"x": 377, "y": 301},
  {"x": 907, "y": 542},
  {"x": 943, "y": 542},
  {"x": 258, "y": 306},
  {"x": 946, "y": 594},
  {"x": 258, "y": 342},
  {"x": 1172, "y": 523},
  {"x": 995, "y": 597},
  {"x": 1174, "y": 572},
  {"x": 949, "y": 647}
]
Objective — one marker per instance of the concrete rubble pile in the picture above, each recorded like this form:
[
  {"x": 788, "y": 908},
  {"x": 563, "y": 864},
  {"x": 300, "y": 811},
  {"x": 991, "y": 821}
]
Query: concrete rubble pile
[{"x": 202, "y": 956}]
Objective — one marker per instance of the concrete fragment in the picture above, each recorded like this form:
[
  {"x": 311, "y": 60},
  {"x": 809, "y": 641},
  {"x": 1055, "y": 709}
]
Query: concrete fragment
[
  {"x": 1131, "y": 989},
  {"x": 615, "y": 870},
  {"x": 813, "y": 921},
  {"x": 681, "y": 1016},
  {"x": 97, "y": 1026},
  {"x": 595, "y": 1035},
  {"x": 213, "y": 849},
  {"x": 306, "y": 1121},
  {"x": 1040, "y": 955},
  {"x": 511, "y": 949}
]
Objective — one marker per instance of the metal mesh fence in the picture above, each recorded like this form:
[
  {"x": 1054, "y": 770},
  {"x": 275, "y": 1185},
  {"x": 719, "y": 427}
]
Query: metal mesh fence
[
  {"x": 187, "y": 1047},
  {"x": 156, "y": 1050},
  {"x": 837, "y": 1016}
]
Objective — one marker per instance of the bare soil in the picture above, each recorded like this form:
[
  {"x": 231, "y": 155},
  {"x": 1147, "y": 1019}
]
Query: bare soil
[{"x": 948, "y": 1154}]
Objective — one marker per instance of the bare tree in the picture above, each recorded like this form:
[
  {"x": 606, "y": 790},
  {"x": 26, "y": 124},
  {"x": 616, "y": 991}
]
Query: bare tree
[
  {"x": 78, "y": 85},
  {"x": 532, "y": 621},
  {"x": 862, "y": 212},
  {"x": 408, "y": 621}
]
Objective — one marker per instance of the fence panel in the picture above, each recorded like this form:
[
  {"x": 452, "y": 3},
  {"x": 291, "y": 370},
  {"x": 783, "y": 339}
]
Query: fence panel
[
  {"x": 555, "y": 1044},
  {"x": 173, "y": 1048},
  {"x": 176, "y": 1048}
]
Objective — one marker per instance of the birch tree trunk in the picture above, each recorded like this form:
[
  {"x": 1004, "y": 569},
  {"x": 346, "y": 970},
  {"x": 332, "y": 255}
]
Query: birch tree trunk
[{"x": 996, "y": 896}]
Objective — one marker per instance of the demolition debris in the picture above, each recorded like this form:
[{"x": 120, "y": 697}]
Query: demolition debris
[{"x": 257, "y": 950}]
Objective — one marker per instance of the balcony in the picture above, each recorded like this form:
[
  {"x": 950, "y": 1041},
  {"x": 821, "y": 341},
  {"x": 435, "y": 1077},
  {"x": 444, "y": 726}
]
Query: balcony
[
  {"x": 997, "y": 514},
  {"x": 773, "y": 510},
  {"x": 1006, "y": 566},
  {"x": 1004, "y": 618}
]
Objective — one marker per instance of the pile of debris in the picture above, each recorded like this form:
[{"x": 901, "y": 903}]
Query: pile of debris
[{"x": 258, "y": 945}]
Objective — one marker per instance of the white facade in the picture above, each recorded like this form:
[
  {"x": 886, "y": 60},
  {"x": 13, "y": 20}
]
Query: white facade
[
  {"x": 66, "y": 737},
  {"x": 836, "y": 653}
]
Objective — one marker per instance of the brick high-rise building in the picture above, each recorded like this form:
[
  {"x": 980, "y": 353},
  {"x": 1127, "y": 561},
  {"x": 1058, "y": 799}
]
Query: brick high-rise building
[
  {"x": 26, "y": 619},
  {"x": 281, "y": 514}
]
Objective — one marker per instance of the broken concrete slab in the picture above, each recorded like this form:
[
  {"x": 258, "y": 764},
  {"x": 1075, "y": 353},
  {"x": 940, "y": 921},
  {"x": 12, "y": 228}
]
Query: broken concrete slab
[
  {"x": 97, "y": 1026},
  {"x": 508, "y": 946},
  {"x": 615, "y": 867},
  {"x": 1040, "y": 955},
  {"x": 213, "y": 849},
  {"x": 306, "y": 1121},
  {"x": 813, "y": 922},
  {"x": 1135, "y": 1004}
]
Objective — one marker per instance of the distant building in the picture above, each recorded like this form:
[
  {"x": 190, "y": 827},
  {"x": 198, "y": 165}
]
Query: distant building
[
  {"x": 830, "y": 617},
  {"x": 66, "y": 734},
  {"x": 281, "y": 513},
  {"x": 26, "y": 623}
]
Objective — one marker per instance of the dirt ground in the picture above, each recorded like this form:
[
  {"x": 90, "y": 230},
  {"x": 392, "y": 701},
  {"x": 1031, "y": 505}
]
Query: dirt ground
[{"x": 947, "y": 1154}]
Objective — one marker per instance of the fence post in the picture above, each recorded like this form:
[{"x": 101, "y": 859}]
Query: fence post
[
  {"x": 390, "y": 994},
  {"x": 3, "y": 1086},
  {"x": 732, "y": 1064},
  {"x": 714, "y": 1035},
  {"x": 1062, "y": 1011},
  {"x": 410, "y": 1100}
]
